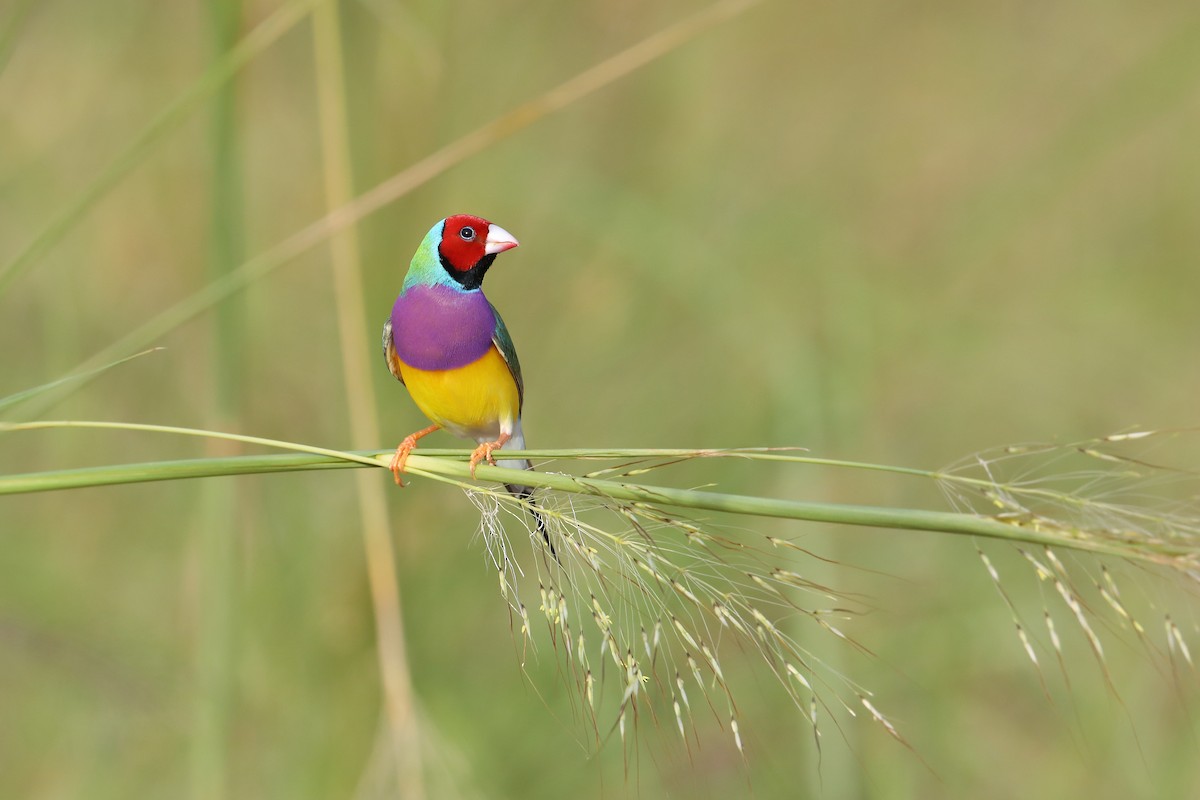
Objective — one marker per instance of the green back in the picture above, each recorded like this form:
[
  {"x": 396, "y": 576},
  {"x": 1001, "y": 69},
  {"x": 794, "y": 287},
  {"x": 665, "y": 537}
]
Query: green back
[{"x": 508, "y": 350}]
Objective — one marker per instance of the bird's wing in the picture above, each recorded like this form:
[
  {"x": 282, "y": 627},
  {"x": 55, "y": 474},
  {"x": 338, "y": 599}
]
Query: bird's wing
[
  {"x": 508, "y": 351},
  {"x": 389, "y": 351}
]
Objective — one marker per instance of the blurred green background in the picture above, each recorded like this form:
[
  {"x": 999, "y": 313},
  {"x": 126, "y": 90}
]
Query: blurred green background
[{"x": 895, "y": 233}]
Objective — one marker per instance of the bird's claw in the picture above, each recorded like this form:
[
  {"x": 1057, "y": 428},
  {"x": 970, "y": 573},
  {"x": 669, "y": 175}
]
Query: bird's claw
[
  {"x": 401, "y": 458},
  {"x": 484, "y": 453},
  {"x": 408, "y": 444}
]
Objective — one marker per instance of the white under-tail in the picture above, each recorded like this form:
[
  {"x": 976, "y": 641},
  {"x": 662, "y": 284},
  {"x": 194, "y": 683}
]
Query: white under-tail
[{"x": 517, "y": 442}]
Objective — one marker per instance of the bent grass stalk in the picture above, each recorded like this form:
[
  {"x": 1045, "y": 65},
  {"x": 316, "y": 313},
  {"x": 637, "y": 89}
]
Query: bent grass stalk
[
  {"x": 641, "y": 597},
  {"x": 1181, "y": 550}
]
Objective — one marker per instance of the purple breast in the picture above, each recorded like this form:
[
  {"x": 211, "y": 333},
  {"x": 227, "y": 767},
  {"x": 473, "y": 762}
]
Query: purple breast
[{"x": 438, "y": 327}]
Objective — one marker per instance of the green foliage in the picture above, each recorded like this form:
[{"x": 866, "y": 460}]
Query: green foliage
[{"x": 891, "y": 236}]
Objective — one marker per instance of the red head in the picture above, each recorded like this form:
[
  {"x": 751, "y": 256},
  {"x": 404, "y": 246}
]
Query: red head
[{"x": 470, "y": 243}]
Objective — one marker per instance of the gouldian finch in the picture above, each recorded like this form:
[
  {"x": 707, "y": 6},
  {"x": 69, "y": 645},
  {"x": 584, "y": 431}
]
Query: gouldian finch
[{"x": 448, "y": 345}]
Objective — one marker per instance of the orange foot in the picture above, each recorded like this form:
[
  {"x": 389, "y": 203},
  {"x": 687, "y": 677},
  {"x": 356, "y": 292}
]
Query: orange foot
[
  {"x": 484, "y": 452},
  {"x": 406, "y": 447}
]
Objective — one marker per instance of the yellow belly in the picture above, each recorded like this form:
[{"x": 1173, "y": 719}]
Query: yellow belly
[{"x": 476, "y": 401}]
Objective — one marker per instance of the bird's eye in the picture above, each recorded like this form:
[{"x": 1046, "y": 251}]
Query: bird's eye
[{"x": 467, "y": 234}]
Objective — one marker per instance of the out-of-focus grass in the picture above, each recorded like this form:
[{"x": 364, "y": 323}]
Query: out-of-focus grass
[
  {"x": 400, "y": 744},
  {"x": 220, "y": 523},
  {"x": 894, "y": 234}
]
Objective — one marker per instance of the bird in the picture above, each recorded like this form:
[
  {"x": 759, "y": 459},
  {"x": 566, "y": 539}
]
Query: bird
[{"x": 450, "y": 347}]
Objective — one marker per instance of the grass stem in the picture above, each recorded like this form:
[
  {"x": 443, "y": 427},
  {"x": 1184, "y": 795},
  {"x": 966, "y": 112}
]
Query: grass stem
[{"x": 364, "y": 427}]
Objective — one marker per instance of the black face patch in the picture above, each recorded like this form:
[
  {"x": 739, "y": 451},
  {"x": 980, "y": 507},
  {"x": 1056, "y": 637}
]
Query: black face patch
[{"x": 470, "y": 278}]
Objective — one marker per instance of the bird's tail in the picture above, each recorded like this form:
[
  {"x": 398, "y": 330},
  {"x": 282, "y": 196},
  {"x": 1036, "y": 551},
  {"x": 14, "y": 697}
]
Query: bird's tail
[{"x": 517, "y": 442}]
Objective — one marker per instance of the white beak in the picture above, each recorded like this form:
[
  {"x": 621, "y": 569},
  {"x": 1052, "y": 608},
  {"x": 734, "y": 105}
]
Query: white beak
[{"x": 498, "y": 240}]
